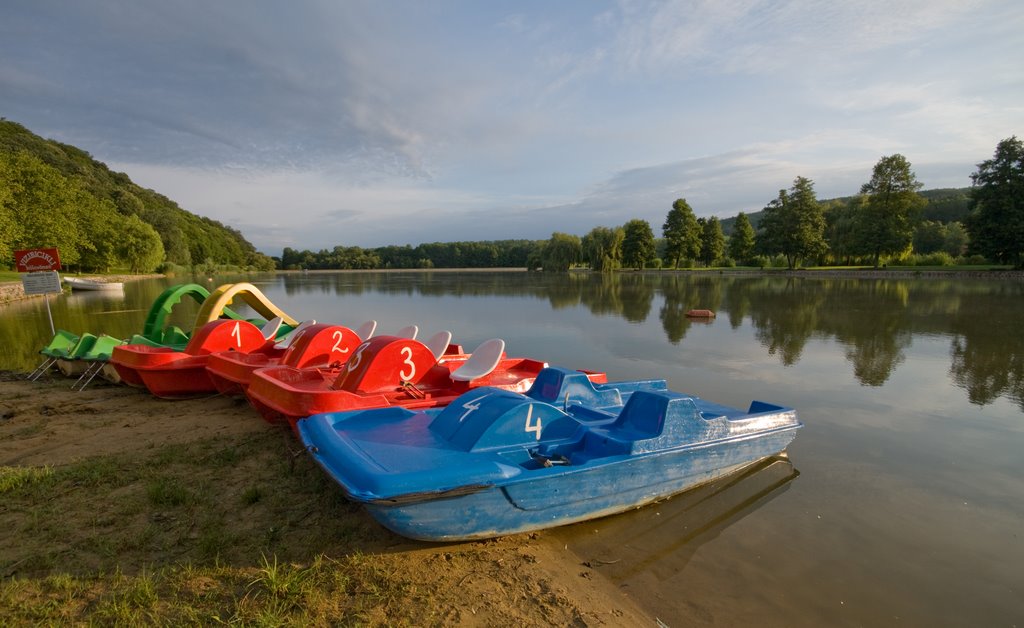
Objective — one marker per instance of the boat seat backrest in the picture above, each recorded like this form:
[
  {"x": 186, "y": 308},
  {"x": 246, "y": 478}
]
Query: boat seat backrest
[
  {"x": 438, "y": 343},
  {"x": 409, "y": 331},
  {"x": 481, "y": 362},
  {"x": 365, "y": 331},
  {"x": 61, "y": 344},
  {"x": 103, "y": 348},
  {"x": 643, "y": 416},
  {"x": 83, "y": 346},
  {"x": 563, "y": 387},
  {"x": 291, "y": 336},
  {"x": 656, "y": 420},
  {"x": 173, "y": 335},
  {"x": 269, "y": 329}
]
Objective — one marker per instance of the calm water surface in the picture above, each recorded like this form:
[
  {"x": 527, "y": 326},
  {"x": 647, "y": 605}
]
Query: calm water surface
[{"x": 901, "y": 503}]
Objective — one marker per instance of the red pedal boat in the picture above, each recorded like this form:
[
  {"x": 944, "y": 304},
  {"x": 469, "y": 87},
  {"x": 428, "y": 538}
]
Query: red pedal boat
[
  {"x": 316, "y": 345},
  {"x": 174, "y": 374},
  {"x": 390, "y": 371}
]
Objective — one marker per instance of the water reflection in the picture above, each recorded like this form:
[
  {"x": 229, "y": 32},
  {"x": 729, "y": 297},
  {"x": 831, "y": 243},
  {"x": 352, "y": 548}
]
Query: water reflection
[
  {"x": 657, "y": 541},
  {"x": 683, "y": 294},
  {"x": 873, "y": 321},
  {"x": 988, "y": 347}
]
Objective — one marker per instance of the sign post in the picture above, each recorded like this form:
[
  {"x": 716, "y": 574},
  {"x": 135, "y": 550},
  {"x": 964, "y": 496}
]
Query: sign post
[{"x": 40, "y": 266}]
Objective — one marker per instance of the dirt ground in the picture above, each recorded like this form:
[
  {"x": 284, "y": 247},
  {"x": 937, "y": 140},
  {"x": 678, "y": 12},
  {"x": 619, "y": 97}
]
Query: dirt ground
[{"x": 215, "y": 449}]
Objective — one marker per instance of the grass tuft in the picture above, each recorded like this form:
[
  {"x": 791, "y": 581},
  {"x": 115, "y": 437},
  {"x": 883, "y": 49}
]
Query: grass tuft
[
  {"x": 251, "y": 495},
  {"x": 167, "y": 492},
  {"x": 20, "y": 478}
]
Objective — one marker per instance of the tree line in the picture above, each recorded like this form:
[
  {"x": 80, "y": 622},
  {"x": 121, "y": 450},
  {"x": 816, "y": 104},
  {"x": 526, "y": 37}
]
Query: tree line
[
  {"x": 486, "y": 254},
  {"x": 884, "y": 222},
  {"x": 54, "y": 194}
]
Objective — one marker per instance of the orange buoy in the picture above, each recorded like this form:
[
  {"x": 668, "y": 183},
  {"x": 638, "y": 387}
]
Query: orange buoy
[{"x": 700, "y": 314}]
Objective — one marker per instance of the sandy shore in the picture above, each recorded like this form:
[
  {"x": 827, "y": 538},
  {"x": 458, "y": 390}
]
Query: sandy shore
[{"x": 528, "y": 579}]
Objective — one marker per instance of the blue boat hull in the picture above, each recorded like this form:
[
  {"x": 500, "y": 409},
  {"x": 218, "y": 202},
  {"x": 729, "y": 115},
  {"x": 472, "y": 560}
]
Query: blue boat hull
[{"x": 546, "y": 501}]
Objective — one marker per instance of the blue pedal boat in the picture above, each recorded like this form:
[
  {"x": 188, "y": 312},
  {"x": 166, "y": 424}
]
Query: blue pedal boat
[{"x": 496, "y": 462}]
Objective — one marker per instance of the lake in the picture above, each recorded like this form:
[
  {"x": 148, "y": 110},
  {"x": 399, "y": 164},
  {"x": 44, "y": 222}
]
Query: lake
[{"x": 901, "y": 501}]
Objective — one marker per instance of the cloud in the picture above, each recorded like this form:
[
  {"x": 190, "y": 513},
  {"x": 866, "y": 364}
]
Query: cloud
[
  {"x": 341, "y": 214},
  {"x": 756, "y": 37},
  {"x": 255, "y": 85},
  {"x": 328, "y": 123},
  {"x": 317, "y": 209}
]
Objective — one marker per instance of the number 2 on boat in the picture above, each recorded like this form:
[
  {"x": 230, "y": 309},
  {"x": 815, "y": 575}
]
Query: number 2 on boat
[{"x": 337, "y": 342}]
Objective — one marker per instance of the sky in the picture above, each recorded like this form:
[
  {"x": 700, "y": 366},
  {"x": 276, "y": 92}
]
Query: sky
[{"x": 313, "y": 124}]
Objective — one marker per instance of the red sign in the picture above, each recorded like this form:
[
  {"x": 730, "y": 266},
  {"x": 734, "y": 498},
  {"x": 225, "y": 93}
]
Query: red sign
[{"x": 32, "y": 260}]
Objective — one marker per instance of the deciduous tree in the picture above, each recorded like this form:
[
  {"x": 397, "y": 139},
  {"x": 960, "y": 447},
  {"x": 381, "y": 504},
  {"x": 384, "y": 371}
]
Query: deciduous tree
[
  {"x": 637, "y": 243},
  {"x": 929, "y": 237},
  {"x": 8, "y": 227},
  {"x": 139, "y": 245},
  {"x": 682, "y": 233},
  {"x": 888, "y": 208}
]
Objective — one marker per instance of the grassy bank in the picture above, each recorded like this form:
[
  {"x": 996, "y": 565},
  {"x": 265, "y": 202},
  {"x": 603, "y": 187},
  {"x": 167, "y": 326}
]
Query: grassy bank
[
  {"x": 119, "y": 508},
  {"x": 200, "y": 532}
]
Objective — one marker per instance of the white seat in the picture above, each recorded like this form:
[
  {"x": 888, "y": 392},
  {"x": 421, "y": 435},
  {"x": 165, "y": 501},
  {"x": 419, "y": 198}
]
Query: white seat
[
  {"x": 291, "y": 336},
  {"x": 269, "y": 329},
  {"x": 481, "y": 362},
  {"x": 438, "y": 343},
  {"x": 408, "y": 331},
  {"x": 365, "y": 331}
]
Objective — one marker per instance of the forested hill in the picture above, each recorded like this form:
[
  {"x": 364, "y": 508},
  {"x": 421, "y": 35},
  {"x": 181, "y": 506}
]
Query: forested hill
[
  {"x": 53, "y": 194},
  {"x": 943, "y": 205}
]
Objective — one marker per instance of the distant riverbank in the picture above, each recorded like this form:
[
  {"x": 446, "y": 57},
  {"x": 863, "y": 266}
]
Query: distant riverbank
[
  {"x": 13, "y": 291},
  {"x": 852, "y": 273},
  {"x": 861, "y": 273}
]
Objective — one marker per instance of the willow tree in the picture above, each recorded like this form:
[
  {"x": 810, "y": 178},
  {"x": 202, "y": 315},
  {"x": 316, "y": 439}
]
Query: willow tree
[
  {"x": 561, "y": 251},
  {"x": 602, "y": 248}
]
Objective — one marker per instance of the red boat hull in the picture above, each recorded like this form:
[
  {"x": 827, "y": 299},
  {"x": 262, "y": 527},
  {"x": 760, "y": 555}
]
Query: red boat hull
[
  {"x": 181, "y": 379},
  {"x": 384, "y": 371},
  {"x": 175, "y": 374}
]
